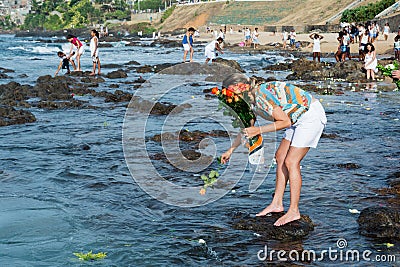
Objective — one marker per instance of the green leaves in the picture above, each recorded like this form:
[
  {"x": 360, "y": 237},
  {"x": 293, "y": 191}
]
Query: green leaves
[
  {"x": 364, "y": 13},
  {"x": 90, "y": 255},
  {"x": 387, "y": 71}
]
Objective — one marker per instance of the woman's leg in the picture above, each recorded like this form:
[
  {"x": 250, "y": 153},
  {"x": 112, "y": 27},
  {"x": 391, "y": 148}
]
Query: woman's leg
[
  {"x": 98, "y": 66},
  {"x": 319, "y": 56},
  {"x": 368, "y": 74},
  {"x": 281, "y": 180},
  {"x": 292, "y": 162},
  {"x": 185, "y": 55},
  {"x": 78, "y": 61}
]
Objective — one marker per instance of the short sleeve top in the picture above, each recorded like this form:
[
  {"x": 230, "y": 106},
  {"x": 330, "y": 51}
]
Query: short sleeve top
[
  {"x": 293, "y": 100},
  {"x": 76, "y": 42}
]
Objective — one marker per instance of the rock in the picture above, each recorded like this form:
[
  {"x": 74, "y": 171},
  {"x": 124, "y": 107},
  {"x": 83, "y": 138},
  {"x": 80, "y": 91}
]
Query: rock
[
  {"x": 117, "y": 74},
  {"x": 156, "y": 108},
  {"x": 114, "y": 85},
  {"x": 264, "y": 226},
  {"x": 4, "y": 76},
  {"x": 348, "y": 165},
  {"x": 85, "y": 147},
  {"x": 110, "y": 66},
  {"x": 11, "y": 116},
  {"x": 230, "y": 63},
  {"x": 133, "y": 62},
  {"x": 166, "y": 43},
  {"x": 189, "y": 136},
  {"x": 380, "y": 222},
  {"x": 155, "y": 68},
  {"x": 101, "y": 45}
]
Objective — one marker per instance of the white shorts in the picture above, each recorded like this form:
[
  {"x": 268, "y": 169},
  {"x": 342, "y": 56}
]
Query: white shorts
[
  {"x": 186, "y": 47},
  {"x": 307, "y": 131},
  {"x": 80, "y": 51},
  {"x": 210, "y": 54}
]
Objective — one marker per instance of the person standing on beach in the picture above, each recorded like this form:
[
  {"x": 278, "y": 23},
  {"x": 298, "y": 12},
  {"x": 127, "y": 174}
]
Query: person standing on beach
[
  {"x": 316, "y": 46},
  {"x": 187, "y": 43},
  {"x": 94, "y": 51},
  {"x": 370, "y": 61},
  {"x": 212, "y": 48},
  {"x": 255, "y": 36},
  {"x": 79, "y": 50},
  {"x": 397, "y": 47},
  {"x": 292, "y": 36},
  {"x": 363, "y": 45},
  {"x": 386, "y": 31},
  {"x": 221, "y": 34},
  {"x": 303, "y": 118},
  {"x": 284, "y": 39},
  {"x": 247, "y": 37}
]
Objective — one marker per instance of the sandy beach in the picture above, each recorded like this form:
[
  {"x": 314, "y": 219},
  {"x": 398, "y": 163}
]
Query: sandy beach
[{"x": 328, "y": 45}]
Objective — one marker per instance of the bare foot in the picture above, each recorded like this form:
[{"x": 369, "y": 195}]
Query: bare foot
[
  {"x": 92, "y": 74},
  {"x": 290, "y": 216},
  {"x": 269, "y": 209},
  {"x": 99, "y": 73}
]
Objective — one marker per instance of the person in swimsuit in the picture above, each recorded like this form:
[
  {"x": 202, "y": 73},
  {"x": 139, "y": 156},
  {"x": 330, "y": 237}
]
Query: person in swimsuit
[{"x": 290, "y": 108}]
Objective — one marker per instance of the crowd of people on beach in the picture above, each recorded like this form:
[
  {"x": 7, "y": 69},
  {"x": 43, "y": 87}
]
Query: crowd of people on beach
[{"x": 77, "y": 50}]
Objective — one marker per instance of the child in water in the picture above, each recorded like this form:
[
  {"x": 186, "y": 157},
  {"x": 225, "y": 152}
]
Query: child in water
[{"x": 64, "y": 63}]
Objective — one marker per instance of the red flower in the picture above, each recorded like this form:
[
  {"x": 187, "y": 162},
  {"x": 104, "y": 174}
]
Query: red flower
[
  {"x": 215, "y": 91},
  {"x": 229, "y": 93}
]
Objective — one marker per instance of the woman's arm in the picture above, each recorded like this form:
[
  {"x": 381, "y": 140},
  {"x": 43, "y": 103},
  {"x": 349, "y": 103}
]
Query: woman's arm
[
  {"x": 282, "y": 121},
  {"x": 227, "y": 155}
]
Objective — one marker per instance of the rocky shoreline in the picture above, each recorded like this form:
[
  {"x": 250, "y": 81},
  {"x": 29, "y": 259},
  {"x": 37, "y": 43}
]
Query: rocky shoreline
[{"x": 17, "y": 100}]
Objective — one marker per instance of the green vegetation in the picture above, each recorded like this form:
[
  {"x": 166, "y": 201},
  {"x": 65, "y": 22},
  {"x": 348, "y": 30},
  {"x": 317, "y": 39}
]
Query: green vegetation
[
  {"x": 364, "y": 13},
  {"x": 59, "y": 14},
  {"x": 90, "y": 256},
  {"x": 167, "y": 13},
  {"x": 6, "y": 23},
  {"x": 149, "y": 4}
]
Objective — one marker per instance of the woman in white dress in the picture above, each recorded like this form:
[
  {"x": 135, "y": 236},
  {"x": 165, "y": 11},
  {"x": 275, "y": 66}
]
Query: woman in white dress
[
  {"x": 316, "y": 46},
  {"x": 370, "y": 61}
]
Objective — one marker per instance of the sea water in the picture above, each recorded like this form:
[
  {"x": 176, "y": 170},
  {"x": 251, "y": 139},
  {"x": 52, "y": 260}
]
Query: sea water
[{"x": 57, "y": 198}]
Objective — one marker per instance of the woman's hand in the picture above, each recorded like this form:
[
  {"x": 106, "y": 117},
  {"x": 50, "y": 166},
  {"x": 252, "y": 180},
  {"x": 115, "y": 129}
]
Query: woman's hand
[
  {"x": 396, "y": 74},
  {"x": 226, "y": 156},
  {"x": 251, "y": 131}
]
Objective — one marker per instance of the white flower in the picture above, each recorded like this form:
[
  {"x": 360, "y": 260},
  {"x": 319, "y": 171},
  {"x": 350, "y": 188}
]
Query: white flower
[
  {"x": 354, "y": 211},
  {"x": 390, "y": 66},
  {"x": 202, "y": 241}
]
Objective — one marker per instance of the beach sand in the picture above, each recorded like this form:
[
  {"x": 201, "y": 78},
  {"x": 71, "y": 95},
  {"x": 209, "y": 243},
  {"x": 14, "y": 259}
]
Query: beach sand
[{"x": 328, "y": 45}]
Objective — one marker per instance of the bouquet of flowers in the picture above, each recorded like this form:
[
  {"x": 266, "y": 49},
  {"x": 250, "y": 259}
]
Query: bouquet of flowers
[
  {"x": 387, "y": 71},
  {"x": 236, "y": 98}
]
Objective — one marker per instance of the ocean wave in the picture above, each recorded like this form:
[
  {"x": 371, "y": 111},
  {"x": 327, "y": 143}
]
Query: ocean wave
[{"x": 37, "y": 49}]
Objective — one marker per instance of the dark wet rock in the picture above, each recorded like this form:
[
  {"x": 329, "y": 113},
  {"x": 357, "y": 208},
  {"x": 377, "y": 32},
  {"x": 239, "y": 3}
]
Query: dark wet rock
[
  {"x": 114, "y": 85},
  {"x": 166, "y": 43},
  {"x": 348, "y": 166},
  {"x": 264, "y": 226},
  {"x": 304, "y": 69},
  {"x": 119, "y": 96},
  {"x": 394, "y": 180},
  {"x": 330, "y": 135},
  {"x": 139, "y": 80},
  {"x": 60, "y": 104},
  {"x": 4, "y": 70},
  {"x": 85, "y": 147},
  {"x": 156, "y": 108},
  {"x": 110, "y": 66},
  {"x": 101, "y": 44},
  {"x": 230, "y": 63},
  {"x": 23, "y": 76},
  {"x": 77, "y": 73},
  {"x": 133, "y": 62},
  {"x": 92, "y": 79},
  {"x": 117, "y": 74},
  {"x": 145, "y": 69},
  {"x": 11, "y": 116},
  {"x": 4, "y": 76},
  {"x": 189, "y": 136},
  {"x": 155, "y": 68},
  {"x": 380, "y": 222}
]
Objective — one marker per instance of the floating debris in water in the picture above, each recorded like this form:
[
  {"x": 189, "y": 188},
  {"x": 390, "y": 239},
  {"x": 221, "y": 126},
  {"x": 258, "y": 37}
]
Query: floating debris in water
[
  {"x": 90, "y": 255},
  {"x": 354, "y": 211},
  {"x": 202, "y": 241}
]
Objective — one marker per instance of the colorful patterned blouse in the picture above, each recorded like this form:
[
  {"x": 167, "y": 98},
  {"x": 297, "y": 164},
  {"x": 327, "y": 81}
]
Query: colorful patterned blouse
[{"x": 293, "y": 100}]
